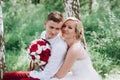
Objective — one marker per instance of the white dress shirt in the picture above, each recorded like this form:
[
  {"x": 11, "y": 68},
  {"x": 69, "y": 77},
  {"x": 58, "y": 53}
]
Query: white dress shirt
[{"x": 59, "y": 48}]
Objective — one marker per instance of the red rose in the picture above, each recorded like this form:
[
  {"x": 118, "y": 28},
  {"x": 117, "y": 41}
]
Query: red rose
[
  {"x": 33, "y": 48},
  {"x": 44, "y": 56},
  {"x": 41, "y": 42}
]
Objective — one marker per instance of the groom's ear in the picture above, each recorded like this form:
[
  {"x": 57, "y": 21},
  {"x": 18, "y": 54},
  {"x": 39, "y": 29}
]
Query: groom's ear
[{"x": 45, "y": 24}]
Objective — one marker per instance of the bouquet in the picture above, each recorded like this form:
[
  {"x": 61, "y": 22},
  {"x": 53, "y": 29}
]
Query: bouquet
[{"x": 39, "y": 52}]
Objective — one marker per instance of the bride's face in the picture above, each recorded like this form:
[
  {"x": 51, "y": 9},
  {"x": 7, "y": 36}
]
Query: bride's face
[{"x": 68, "y": 29}]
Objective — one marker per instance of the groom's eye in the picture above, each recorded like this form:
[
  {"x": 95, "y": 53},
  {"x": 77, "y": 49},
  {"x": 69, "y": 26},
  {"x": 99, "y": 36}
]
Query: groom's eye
[
  {"x": 51, "y": 27},
  {"x": 57, "y": 28}
]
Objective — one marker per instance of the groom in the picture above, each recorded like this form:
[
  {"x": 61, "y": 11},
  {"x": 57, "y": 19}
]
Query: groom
[{"x": 53, "y": 26}]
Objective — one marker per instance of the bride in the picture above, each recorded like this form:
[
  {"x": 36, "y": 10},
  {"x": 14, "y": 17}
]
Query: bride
[{"x": 77, "y": 64}]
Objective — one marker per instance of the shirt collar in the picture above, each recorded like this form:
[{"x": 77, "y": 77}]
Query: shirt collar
[{"x": 50, "y": 40}]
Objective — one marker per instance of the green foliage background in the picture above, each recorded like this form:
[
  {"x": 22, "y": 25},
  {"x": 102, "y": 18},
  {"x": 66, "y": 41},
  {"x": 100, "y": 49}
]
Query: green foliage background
[{"x": 23, "y": 22}]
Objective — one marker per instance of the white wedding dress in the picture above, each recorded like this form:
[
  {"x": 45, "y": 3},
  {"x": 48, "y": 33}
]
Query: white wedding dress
[{"x": 82, "y": 70}]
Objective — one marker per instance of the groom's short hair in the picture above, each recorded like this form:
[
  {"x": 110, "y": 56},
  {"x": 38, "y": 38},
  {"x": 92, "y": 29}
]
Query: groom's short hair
[{"x": 55, "y": 16}]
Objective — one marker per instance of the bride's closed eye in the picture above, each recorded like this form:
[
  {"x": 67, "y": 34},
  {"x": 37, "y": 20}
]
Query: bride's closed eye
[{"x": 64, "y": 26}]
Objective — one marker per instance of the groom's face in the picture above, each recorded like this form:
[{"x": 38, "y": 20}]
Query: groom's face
[{"x": 52, "y": 28}]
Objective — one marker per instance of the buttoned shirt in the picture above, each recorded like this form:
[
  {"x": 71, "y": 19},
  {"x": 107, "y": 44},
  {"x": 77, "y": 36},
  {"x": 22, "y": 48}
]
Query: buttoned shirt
[{"x": 58, "y": 51}]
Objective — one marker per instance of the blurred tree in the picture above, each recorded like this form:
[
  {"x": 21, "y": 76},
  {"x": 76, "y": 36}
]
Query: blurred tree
[
  {"x": 72, "y": 9},
  {"x": 51, "y": 5},
  {"x": 2, "y": 56},
  {"x": 35, "y": 2},
  {"x": 114, "y": 4},
  {"x": 106, "y": 5},
  {"x": 93, "y": 6},
  {"x": 85, "y": 6},
  {"x": 90, "y": 7}
]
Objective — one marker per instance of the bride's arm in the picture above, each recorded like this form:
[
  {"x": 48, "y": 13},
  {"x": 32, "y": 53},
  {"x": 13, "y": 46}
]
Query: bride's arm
[{"x": 70, "y": 58}]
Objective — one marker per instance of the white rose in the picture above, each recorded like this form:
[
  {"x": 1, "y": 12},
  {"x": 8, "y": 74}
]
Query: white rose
[
  {"x": 37, "y": 57},
  {"x": 39, "y": 50},
  {"x": 32, "y": 53}
]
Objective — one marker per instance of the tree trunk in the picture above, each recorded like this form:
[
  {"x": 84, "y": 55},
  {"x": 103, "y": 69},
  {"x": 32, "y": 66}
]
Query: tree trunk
[
  {"x": 2, "y": 56},
  {"x": 95, "y": 5},
  {"x": 106, "y": 6},
  {"x": 72, "y": 9},
  {"x": 90, "y": 7},
  {"x": 35, "y": 2}
]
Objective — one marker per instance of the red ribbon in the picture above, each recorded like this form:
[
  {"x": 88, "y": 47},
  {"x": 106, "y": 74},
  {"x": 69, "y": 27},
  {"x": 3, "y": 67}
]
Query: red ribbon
[{"x": 32, "y": 66}]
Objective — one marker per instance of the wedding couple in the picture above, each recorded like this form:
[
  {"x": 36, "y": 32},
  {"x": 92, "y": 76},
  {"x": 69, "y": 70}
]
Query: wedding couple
[{"x": 69, "y": 59}]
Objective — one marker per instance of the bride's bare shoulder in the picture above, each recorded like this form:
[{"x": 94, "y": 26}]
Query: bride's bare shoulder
[{"x": 77, "y": 50}]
